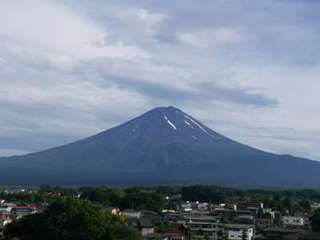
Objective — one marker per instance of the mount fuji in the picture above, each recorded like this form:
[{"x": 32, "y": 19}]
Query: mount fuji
[{"x": 162, "y": 146}]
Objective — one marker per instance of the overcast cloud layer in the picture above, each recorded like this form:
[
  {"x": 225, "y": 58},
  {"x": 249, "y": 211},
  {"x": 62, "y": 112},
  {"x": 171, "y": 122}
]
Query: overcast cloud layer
[{"x": 248, "y": 69}]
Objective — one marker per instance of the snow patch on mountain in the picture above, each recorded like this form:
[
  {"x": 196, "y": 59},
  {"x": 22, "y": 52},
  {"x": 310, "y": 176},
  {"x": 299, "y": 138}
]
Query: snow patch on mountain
[
  {"x": 189, "y": 124},
  {"x": 196, "y": 123},
  {"x": 170, "y": 123}
]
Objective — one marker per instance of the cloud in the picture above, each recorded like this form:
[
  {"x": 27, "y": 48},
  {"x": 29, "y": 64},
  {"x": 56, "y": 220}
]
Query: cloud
[
  {"x": 70, "y": 69},
  {"x": 53, "y": 33},
  {"x": 142, "y": 20},
  {"x": 209, "y": 37}
]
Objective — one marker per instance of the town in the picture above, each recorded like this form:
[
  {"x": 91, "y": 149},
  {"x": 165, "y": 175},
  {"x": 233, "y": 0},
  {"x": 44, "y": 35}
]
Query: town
[{"x": 174, "y": 213}]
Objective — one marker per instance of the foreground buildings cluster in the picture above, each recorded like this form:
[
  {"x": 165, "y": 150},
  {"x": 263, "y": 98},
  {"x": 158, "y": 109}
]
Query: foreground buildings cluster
[
  {"x": 198, "y": 221},
  {"x": 226, "y": 221},
  {"x": 10, "y": 211}
]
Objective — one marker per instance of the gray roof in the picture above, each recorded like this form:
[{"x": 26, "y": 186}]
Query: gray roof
[{"x": 145, "y": 222}]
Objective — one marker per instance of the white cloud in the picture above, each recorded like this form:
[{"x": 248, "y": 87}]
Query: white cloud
[
  {"x": 141, "y": 20},
  {"x": 43, "y": 29},
  {"x": 212, "y": 37},
  {"x": 83, "y": 97}
]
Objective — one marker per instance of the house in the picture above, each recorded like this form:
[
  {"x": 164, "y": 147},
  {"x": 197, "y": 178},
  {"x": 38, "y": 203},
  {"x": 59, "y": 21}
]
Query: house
[
  {"x": 263, "y": 222},
  {"x": 292, "y": 221},
  {"x": 315, "y": 205},
  {"x": 277, "y": 234},
  {"x": 204, "y": 206},
  {"x": 23, "y": 210},
  {"x": 231, "y": 214},
  {"x": 4, "y": 222},
  {"x": 186, "y": 206},
  {"x": 244, "y": 219},
  {"x": 173, "y": 217},
  {"x": 174, "y": 232},
  {"x": 5, "y": 218},
  {"x": 212, "y": 230},
  {"x": 131, "y": 213},
  {"x": 144, "y": 225},
  {"x": 271, "y": 212},
  {"x": 5, "y": 209},
  {"x": 198, "y": 229},
  {"x": 250, "y": 205},
  {"x": 113, "y": 211},
  {"x": 153, "y": 216},
  {"x": 239, "y": 231},
  {"x": 172, "y": 236}
]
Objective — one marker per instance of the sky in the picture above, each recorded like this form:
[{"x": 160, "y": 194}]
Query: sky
[{"x": 247, "y": 69}]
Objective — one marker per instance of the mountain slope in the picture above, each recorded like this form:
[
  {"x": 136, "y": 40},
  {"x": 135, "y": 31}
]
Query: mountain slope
[{"x": 164, "y": 145}]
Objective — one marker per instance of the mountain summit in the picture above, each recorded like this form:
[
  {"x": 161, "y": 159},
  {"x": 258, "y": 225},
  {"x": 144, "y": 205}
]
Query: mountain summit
[{"x": 164, "y": 145}]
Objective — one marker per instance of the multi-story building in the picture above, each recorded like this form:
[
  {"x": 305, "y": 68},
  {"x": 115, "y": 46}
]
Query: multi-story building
[{"x": 214, "y": 231}]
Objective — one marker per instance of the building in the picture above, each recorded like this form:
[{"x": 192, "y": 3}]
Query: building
[
  {"x": 173, "y": 236},
  {"x": 154, "y": 217},
  {"x": 198, "y": 229},
  {"x": 23, "y": 210},
  {"x": 5, "y": 209},
  {"x": 277, "y": 234},
  {"x": 214, "y": 230},
  {"x": 131, "y": 213},
  {"x": 143, "y": 225},
  {"x": 204, "y": 206},
  {"x": 5, "y": 218},
  {"x": 146, "y": 227},
  {"x": 244, "y": 219},
  {"x": 186, "y": 206},
  {"x": 174, "y": 232},
  {"x": 239, "y": 231},
  {"x": 293, "y": 221},
  {"x": 113, "y": 211}
]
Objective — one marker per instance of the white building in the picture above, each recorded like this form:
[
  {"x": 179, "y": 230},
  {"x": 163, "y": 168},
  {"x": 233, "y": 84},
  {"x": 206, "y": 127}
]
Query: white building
[
  {"x": 131, "y": 213},
  {"x": 5, "y": 209},
  {"x": 186, "y": 205},
  {"x": 203, "y": 206},
  {"x": 292, "y": 221},
  {"x": 237, "y": 231}
]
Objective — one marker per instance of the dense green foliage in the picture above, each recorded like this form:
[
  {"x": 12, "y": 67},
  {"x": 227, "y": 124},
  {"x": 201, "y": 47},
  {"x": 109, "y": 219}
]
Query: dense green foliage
[
  {"x": 209, "y": 193},
  {"x": 128, "y": 198},
  {"x": 153, "y": 198},
  {"x": 44, "y": 194},
  {"x": 70, "y": 219},
  {"x": 282, "y": 200},
  {"x": 315, "y": 220}
]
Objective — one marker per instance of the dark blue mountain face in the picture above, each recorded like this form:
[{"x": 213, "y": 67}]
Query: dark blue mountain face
[{"x": 164, "y": 145}]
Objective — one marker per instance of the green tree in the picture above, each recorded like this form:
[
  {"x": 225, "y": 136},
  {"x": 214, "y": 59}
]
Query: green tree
[
  {"x": 129, "y": 198},
  {"x": 305, "y": 204},
  {"x": 70, "y": 219}
]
